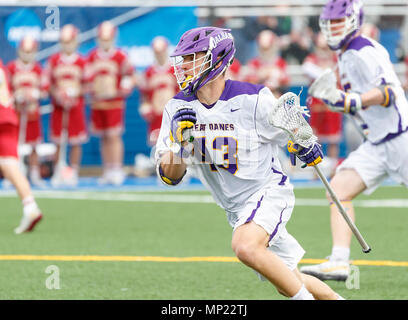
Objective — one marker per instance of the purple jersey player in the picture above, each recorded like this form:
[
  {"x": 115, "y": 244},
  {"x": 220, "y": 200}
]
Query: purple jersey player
[
  {"x": 374, "y": 97},
  {"x": 220, "y": 128}
]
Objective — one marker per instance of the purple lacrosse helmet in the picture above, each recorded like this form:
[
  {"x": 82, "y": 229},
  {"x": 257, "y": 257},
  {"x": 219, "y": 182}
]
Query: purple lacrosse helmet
[
  {"x": 217, "y": 44},
  {"x": 340, "y": 33}
]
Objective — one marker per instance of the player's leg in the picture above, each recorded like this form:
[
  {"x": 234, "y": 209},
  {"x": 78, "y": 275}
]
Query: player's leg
[
  {"x": 77, "y": 136},
  {"x": 116, "y": 149},
  {"x": 114, "y": 144},
  {"x": 11, "y": 171},
  {"x": 317, "y": 288},
  {"x": 249, "y": 242}
]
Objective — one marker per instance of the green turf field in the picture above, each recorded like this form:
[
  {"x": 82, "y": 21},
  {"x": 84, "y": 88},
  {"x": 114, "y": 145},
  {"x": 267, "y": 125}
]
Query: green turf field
[{"x": 122, "y": 230}]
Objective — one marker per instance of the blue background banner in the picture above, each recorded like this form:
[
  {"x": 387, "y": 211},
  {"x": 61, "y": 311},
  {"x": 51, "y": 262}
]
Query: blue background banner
[{"x": 136, "y": 28}]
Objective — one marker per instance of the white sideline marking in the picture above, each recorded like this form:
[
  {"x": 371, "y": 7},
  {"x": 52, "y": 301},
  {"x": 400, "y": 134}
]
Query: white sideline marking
[{"x": 180, "y": 198}]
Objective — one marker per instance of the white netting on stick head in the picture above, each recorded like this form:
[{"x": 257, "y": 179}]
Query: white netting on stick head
[{"x": 288, "y": 115}]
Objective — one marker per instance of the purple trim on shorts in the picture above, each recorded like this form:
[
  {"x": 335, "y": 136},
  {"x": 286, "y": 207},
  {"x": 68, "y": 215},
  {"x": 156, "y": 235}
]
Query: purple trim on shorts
[
  {"x": 277, "y": 226},
  {"x": 284, "y": 177},
  {"x": 254, "y": 211},
  {"x": 390, "y": 136}
]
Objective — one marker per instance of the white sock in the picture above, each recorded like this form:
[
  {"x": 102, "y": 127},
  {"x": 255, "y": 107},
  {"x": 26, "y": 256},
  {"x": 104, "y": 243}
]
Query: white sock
[
  {"x": 303, "y": 294},
  {"x": 339, "y": 297},
  {"x": 29, "y": 206},
  {"x": 340, "y": 254}
]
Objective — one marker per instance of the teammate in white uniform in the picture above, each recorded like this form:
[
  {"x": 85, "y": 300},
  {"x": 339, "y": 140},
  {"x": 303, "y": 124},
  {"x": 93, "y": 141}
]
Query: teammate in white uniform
[
  {"x": 372, "y": 94},
  {"x": 220, "y": 127}
]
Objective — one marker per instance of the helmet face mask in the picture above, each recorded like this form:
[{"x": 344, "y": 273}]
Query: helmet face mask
[
  {"x": 340, "y": 20},
  {"x": 190, "y": 68},
  {"x": 201, "y": 56}
]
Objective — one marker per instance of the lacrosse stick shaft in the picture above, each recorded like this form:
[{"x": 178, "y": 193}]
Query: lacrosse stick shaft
[{"x": 356, "y": 232}]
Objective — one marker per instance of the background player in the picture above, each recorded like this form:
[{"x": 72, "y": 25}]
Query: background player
[
  {"x": 235, "y": 151},
  {"x": 157, "y": 87},
  {"x": 110, "y": 75},
  {"x": 9, "y": 165},
  {"x": 64, "y": 76},
  {"x": 372, "y": 92},
  {"x": 25, "y": 79}
]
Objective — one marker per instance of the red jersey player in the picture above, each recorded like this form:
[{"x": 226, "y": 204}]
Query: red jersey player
[
  {"x": 326, "y": 124},
  {"x": 64, "y": 76},
  {"x": 9, "y": 165},
  {"x": 110, "y": 77},
  {"x": 157, "y": 86},
  {"x": 25, "y": 75},
  {"x": 268, "y": 68}
]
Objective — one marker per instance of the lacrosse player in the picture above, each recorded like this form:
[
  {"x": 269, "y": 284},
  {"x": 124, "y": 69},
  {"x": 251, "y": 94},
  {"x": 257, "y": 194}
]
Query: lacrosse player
[
  {"x": 25, "y": 75},
  {"x": 373, "y": 95},
  {"x": 9, "y": 164},
  {"x": 64, "y": 76},
  {"x": 110, "y": 78},
  {"x": 220, "y": 127}
]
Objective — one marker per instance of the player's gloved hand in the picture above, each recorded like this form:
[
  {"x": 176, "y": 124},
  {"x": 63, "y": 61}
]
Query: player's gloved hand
[
  {"x": 310, "y": 156},
  {"x": 181, "y": 124},
  {"x": 389, "y": 95},
  {"x": 180, "y": 131},
  {"x": 348, "y": 103}
]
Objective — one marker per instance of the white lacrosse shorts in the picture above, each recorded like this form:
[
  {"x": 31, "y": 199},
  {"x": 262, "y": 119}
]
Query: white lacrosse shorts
[
  {"x": 374, "y": 163},
  {"x": 271, "y": 208}
]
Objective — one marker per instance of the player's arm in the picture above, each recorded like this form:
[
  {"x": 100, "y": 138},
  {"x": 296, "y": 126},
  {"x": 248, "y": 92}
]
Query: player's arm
[
  {"x": 171, "y": 166},
  {"x": 383, "y": 95}
]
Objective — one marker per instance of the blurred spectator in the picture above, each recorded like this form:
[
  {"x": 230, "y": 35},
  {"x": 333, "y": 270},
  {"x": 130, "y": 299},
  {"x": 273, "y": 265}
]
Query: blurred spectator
[
  {"x": 64, "y": 79},
  {"x": 370, "y": 30},
  {"x": 110, "y": 75},
  {"x": 299, "y": 42},
  {"x": 268, "y": 68},
  {"x": 246, "y": 34},
  {"x": 234, "y": 71},
  {"x": 327, "y": 125},
  {"x": 25, "y": 79},
  {"x": 158, "y": 86}
]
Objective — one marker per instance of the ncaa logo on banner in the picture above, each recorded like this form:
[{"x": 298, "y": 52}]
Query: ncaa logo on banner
[{"x": 24, "y": 22}]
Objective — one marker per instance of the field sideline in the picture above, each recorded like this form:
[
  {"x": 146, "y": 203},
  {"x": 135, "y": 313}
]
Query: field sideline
[{"x": 134, "y": 245}]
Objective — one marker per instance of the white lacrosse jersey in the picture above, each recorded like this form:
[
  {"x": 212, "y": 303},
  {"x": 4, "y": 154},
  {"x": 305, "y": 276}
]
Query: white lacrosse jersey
[
  {"x": 363, "y": 66},
  {"x": 235, "y": 148}
]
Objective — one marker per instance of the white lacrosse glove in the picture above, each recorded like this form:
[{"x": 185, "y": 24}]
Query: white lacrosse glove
[{"x": 348, "y": 103}]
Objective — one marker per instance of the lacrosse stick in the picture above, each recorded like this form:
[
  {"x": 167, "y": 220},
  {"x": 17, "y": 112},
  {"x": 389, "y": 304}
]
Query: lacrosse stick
[
  {"x": 288, "y": 115},
  {"x": 62, "y": 170},
  {"x": 324, "y": 87}
]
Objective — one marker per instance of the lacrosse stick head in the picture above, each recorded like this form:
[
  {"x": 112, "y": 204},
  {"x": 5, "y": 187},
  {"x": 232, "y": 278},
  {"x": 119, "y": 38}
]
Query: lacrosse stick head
[
  {"x": 324, "y": 87},
  {"x": 289, "y": 115}
]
